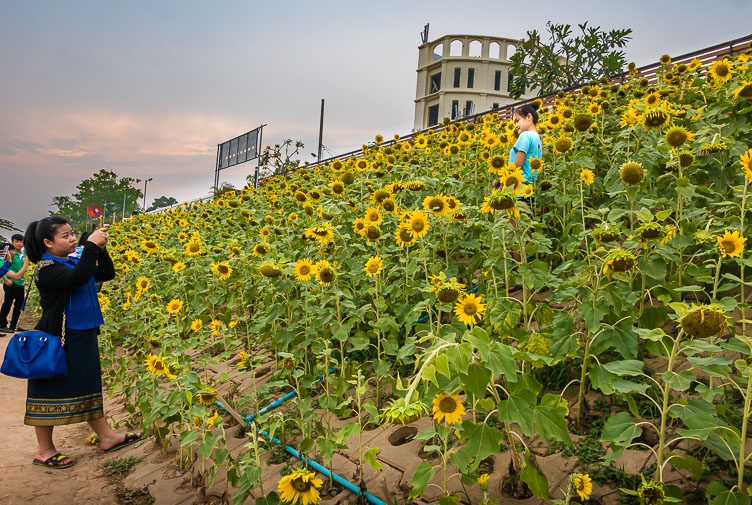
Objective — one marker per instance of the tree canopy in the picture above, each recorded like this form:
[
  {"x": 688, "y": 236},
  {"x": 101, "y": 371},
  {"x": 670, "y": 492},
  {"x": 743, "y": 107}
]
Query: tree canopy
[
  {"x": 162, "y": 201},
  {"x": 105, "y": 189},
  {"x": 565, "y": 60}
]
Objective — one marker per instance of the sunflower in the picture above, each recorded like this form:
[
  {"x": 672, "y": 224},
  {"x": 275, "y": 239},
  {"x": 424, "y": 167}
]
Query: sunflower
[
  {"x": 513, "y": 179},
  {"x": 731, "y": 244},
  {"x": 196, "y": 324},
  {"x": 713, "y": 147},
  {"x": 651, "y": 493},
  {"x": 182, "y": 236},
  {"x": 303, "y": 270},
  {"x": 174, "y": 306},
  {"x": 338, "y": 188},
  {"x": 299, "y": 488},
  {"x": 686, "y": 158},
  {"x": 373, "y": 216},
  {"x": 359, "y": 226},
  {"x": 656, "y": 117},
  {"x": 324, "y": 272},
  {"x": 536, "y": 164},
  {"x": 720, "y": 70},
  {"x": 652, "y": 99},
  {"x": 362, "y": 164},
  {"x": 582, "y": 485},
  {"x": 437, "y": 205},
  {"x": 261, "y": 249},
  {"x": 270, "y": 270},
  {"x": 703, "y": 321},
  {"x": 468, "y": 308},
  {"x": 496, "y": 164},
  {"x": 336, "y": 166},
  {"x": 214, "y": 420},
  {"x": 420, "y": 141},
  {"x": 587, "y": 176},
  {"x": 264, "y": 232},
  {"x": 192, "y": 248},
  {"x": 149, "y": 246},
  {"x": 745, "y": 160},
  {"x": 222, "y": 270},
  {"x": 448, "y": 408},
  {"x": 373, "y": 266},
  {"x": 418, "y": 223},
  {"x": 155, "y": 365},
  {"x": 372, "y": 233},
  {"x": 677, "y": 136},
  {"x": 744, "y": 91},
  {"x": 594, "y": 109},
  {"x": 619, "y": 260},
  {"x": 143, "y": 283},
  {"x": 555, "y": 120},
  {"x": 665, "y": 60},
  {"x": 562, "y": 145},
  {"x": 215, "y": 325},
  {"x": 404, "y": 235},
  {"x": 490, "y": 140},
  {"x": 526, "y": 191},
  {"x": 389, "y": 205},
  {"x": 206, "y": 397},
  {"x": 632, "y": 173},
  {"x": 582, "y": 122}
]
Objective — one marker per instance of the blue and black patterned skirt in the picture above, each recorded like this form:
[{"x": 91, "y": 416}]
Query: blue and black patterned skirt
[{"x": 74, "y": 398}]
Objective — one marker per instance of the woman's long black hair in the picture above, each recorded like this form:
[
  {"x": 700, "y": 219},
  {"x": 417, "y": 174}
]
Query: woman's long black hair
[
  {"x": 37, "y": 231},
  {"x": 528, "y": 108}
]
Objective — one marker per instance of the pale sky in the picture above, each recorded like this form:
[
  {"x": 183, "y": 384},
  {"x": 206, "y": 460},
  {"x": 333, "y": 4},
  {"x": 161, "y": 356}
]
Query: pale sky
[{"x": 149, "y": 88}]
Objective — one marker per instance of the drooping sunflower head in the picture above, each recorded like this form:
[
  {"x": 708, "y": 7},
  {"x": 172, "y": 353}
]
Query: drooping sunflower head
[
  {"x": 656, "y": 117},
  {"x": 731, "y": 244},
  {"x": 606, "y": 234},
  {"x": 270, "y": 270},
  {"x": 348, "y": 178},
  {"x": 261, "y": 249},
  {"x": 448, "y": 408},
  {"x": 686, "y": 158},
  {"x": 712, "y": 148},
  {"x": 372, "y": 233},
  {"x": 389, "y": 205},
  {"x": 632, "y": 173},
  {"x": 582, "y": 122},
  {"x": 380, "y": 195},
  {"x": 206, "y": 397},
  {"x": 651, "y": 493},
  {"x": 650, "y": 231},
  {"x": 703, "y": 321},
  {"x": 618, "y": 261}
]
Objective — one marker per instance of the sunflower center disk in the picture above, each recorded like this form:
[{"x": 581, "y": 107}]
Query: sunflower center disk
[{"x": 447, "y": 405}]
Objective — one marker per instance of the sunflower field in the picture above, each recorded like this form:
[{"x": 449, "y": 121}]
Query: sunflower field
[{"x": 599, "y": 315}]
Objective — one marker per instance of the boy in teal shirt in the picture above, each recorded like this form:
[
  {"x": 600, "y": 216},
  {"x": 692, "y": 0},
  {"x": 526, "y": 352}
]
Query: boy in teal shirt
[{"x": 14, "y": 286}]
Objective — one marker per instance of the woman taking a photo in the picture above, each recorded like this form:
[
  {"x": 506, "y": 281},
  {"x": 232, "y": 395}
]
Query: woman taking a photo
[{"x": 70, "y": 307}]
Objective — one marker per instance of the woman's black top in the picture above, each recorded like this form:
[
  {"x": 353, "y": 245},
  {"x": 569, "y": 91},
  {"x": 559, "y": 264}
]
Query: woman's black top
[{"x": 56, "y": 281}]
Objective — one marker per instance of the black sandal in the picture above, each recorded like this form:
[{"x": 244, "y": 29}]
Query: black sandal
[
  {"x": 130, "y": 438},
  {"x": 55, "y": 461}
]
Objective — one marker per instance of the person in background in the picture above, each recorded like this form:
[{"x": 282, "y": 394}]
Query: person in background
[{"x": 13, "y": 286}]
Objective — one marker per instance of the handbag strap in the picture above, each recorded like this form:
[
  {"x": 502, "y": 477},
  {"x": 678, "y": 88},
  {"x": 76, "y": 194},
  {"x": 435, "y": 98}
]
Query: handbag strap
[{"x": 38, "y": 267}]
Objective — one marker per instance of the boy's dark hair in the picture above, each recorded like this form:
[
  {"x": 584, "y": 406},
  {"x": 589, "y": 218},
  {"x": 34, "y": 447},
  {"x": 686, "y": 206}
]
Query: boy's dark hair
[
  {"x": 528, "y": 108},
  {"x": 37, "y": 231},
  {"x": 16, "y": 236}
]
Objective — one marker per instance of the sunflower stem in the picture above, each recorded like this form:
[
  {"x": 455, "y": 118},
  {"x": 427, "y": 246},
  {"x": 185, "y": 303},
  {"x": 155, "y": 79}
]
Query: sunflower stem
[
  {"x": 717, "y": 279},
  {"x": 664, "y": 409}
]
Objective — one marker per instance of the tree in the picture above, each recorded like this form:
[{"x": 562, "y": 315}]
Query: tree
[
  {"x": 106, "y": 190},
  {"x": 566, "y": 61},
  {"x": 162, "y": 201},
  {"x": 6, "y": 225},
  {"x": 278, "y": 159}
]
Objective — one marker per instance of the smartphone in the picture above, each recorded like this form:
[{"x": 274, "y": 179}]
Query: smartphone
[{"x": 5, "y": 251}]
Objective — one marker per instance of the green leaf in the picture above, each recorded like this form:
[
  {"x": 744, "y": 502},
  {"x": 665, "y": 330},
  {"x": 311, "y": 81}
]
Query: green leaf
[
  {"x": 501, "y": 361},
  {"x": 534, "y": 478},
  {"x": 729, "y": 498},
  {"x": 370, "y": 457},
  {"x": 653, "y": 317},
  {"x": 716, "y": 366},
  {"x": 601, "y": 379},
  {"x": 550, "y": 423},
  {"x": 482, "y": 441},
  {"x": 620, "y": 429},
  {"x": 441, "y": 361},
  {"x": 517, "y": 410},
  {"x": 422, "y": 476},
  {"x": 679, "y": 381},
  {"x": 690, "y": 463},
  {"x": 622, "y": 338},
  {"x": 479, "y": 339},
  {"x": 629, "y": 367},
  {"x": 187, "y": 437},
  {"x": 476, "y": 380},
  {"x": 460, "y": 356}
]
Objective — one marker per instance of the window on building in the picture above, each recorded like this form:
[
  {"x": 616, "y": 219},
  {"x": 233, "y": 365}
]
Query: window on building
[
  {"x": 455, "y": 109},
  {"x": 469, "y": 108},
  {"x": 435, "y": 84},
  {"x": 433, "y": 115},
  {"x": 470, "y": 77},
  {"x": 457, "y": 73},
  {"x": 497, "y": 81},
  {"x": 495, "y": 106}
]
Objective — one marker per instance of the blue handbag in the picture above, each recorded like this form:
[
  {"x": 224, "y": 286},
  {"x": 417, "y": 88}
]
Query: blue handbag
[{"x": 35, "y": 355}]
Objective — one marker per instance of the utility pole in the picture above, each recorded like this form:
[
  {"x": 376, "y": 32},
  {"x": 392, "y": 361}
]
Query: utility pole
[
  {"x": 123, "y": 216},
  {"x": 145, "y": 183},
  {"x": 321, "y": 129}
]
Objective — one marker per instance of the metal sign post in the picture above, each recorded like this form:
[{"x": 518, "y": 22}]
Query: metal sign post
[{"x": 238, "y": 150}]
